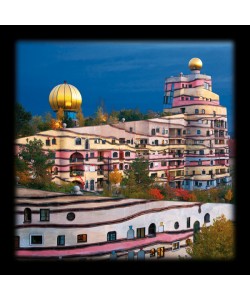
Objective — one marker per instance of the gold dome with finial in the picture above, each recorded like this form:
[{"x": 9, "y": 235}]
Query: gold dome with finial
[
  {"x": 195, "y": 64},
  {"x": 65, "y": 96}
]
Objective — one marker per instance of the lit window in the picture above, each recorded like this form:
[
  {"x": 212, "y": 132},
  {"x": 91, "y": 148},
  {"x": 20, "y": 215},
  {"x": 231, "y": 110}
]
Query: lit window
[
  {"x": 175, "y": 246},
  {"x": 44, "y": 214},
  {"x": 160, "y": 252},
  {"x": 61, "y": 240},
  {"x": 152, "y": 252},
  {"x": 36, "y": 239},
  {"x": 81, "y": 238},
  {"x": 140, "y": 233},
  {"x": 111, "y": 236}
]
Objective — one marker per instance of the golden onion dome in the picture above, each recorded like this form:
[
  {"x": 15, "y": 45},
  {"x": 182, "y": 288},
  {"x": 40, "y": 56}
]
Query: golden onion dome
[
  {"x": 65, "y": 96},
  {"x": 195, "y": 64}
]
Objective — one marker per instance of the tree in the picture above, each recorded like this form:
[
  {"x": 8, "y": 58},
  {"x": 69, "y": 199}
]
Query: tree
[
  {"x": 229, "y": 195},
  {"x": 22, "y": 121},
  {"x": 215, "y": 241},
  {"x": 37, "y": 160},
  {"x": 140, "y": 168},
  {"x": 155, "y": 194},
  {"x": 101, "y": 117},
  {"x": 113, "y": 118},
  {"x": 115, "y": 176},
  {"x": 80, "y": 118},
  {"x": 183, "y": 194}
]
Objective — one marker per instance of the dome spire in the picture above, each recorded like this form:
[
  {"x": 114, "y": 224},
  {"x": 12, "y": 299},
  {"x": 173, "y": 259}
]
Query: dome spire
[{"x": 195, "y": 64}]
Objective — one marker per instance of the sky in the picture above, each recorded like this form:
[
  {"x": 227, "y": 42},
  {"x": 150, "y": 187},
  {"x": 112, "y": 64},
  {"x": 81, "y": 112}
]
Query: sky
[{"x": 120, "y": 74}]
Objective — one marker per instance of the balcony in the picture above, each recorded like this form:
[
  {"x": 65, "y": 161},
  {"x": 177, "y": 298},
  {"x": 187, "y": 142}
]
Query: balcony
[
  {"x": 76, "y": 173},
  {"x": 100, "y": 172},
  {"x": 76, "y": 160},
  {"x": 100, "y": 158}
]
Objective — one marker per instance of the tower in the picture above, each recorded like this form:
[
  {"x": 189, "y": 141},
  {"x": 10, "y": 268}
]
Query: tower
[{"x": 67, "y": 97}]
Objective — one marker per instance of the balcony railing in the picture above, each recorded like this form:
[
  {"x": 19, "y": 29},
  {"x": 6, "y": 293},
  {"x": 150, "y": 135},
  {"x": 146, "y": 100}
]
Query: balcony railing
[
  {"x": 72, "y": 160},
  {"x": 76, "y": 173}
]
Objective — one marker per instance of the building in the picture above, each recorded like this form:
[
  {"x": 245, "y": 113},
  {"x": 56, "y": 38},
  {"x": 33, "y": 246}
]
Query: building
[
  {"x": 187, "y": 146},
  {"x": 58, "y": 226}
]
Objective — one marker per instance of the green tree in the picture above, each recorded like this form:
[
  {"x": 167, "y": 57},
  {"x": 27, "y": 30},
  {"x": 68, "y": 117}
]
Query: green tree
[
  {"x": 215, "y": 241},
  {"x": 37, "y": 160},
  {"x": 137, "y": 177},
  {"x": 22, "y": 121}
]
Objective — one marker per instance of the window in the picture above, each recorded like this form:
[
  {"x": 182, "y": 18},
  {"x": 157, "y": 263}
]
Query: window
[
  {"x": 48, "y": 142},
  {"x": 203, "y": 172},
  {"x": 166, "y": 131},
  {"x": 127, "y": 154},
  {"x": 207, "y": 218},
  {"x": 182, "y": 98},
  {"x": 103, "y": 141},
  {"x": 196, "y": 183},
  {"x": 78, "y": 141},
  {"x": 198, "y": 131},
  {"x": 115, "y": 154},
  {"x": 113, "y": 141},
  {"x": 211, "y": 162},
  {"x": 183, "y": 110},
  {"x": 182, "y": 85},
  {"x": 86, "y": 144},
  {"x": 157, "y": 130},
  {"x": 36, "y": 239},
  {"x": 192, "y": 98},
  {"x": 92, "y": 154},
  {"x": 188, "y": 132},
  {"x": 61, "y": 240},
  {"x": 140, "y": 233},
  {"x": 184, "y": 131},
  {"x": 175, "y": 246},
  {"x": 152, "y": 252},
  {"x": 71, "y": 216},
  {"x": 176, "y": 225},
  {"x": 214, "y": 113},
  {"x": 201, "y": 152},
  {"x": 27, "y": 215},
  {"x": 190, "y": 85},
  {"x": 200, "y": 183},
  {"x": 86, "y": 184},
  {"x": 188, "y": 222},
  {"x": 196, "y": 111},
  {"x": 160, "y": 252},
  {"x": 199, "y": 162},
  {"x": 163, "y": 163},
  {"x": 130, "y": 129},
  {"x": 53, "y": 141},
  {"x": 187, "y": 98},
  {"x": 126, "y": 167},
  {"x": 111, "y": 236},
  {"x": 44, "y": 214},
  {"x": 206, "y": 85},
  {"x": 151, "y": 165},
  {"x": 86, "y": 157},
  {"x": 81, "y": 238},
  {"x": 203, "y": 111}
]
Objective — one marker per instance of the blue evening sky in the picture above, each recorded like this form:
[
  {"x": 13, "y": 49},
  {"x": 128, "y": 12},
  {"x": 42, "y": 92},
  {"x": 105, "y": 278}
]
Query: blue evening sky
[{"x": 123, "y": 74}]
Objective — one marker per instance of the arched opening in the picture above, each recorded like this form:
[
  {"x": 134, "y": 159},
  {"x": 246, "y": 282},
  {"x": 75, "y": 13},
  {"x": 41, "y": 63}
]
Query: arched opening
[
  {"x": 207, "y": 218},
  {"x": 27, "y": 215},
  {"x": 141, "y": 255},
  {"x": 152, "y": 230},
  {"x": 115, "y": 154},
  {"x": 76, "y": 157},
  {"x": 196, "y": 229}
]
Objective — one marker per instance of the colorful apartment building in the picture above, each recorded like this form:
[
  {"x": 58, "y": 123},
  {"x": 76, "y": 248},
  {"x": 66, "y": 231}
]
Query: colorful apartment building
[{"x": 188, "y": 146}]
